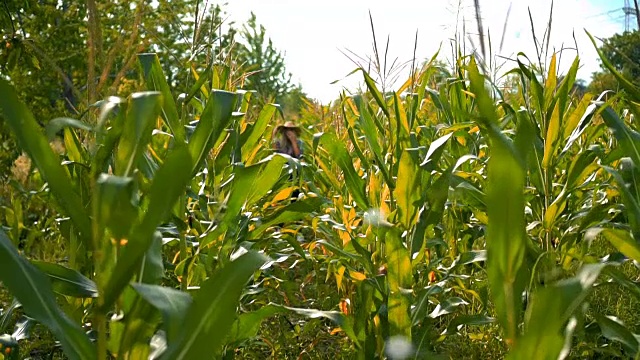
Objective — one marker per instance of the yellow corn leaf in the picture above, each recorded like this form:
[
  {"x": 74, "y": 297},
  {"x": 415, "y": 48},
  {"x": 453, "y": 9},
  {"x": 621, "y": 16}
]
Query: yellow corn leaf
[
  {"x": 576, "y": 115},
  {"x": 283, "y": 195},
  {"x": 339, "y": 277},
  {"x": 384, "y": 206},
  {"x": 344, "y": 236},
  {"x": 358, "y": 276},
  {"x": 552, "y": 135},
  {"x": 374, "y": 190},
  {"x": 552, "y": 81}
]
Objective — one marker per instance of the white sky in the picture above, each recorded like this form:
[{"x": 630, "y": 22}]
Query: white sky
[{"x": 312, "y": 33}]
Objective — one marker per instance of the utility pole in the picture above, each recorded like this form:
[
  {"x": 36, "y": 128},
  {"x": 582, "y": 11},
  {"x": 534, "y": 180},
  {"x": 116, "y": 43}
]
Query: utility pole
[
  {"x": 637, "y": 13},
  {"x": 628, "y": 11}
]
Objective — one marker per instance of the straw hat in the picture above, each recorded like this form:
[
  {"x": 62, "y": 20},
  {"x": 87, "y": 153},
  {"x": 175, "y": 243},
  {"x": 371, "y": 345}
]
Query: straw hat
[{"x": 289, "y": 125}]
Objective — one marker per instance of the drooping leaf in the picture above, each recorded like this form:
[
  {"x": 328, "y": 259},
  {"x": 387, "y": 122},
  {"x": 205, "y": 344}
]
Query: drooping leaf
[
  {"x": 549, "y": 310},
  {"x": 58, "y": 124},
  {"x": 467, "y": 320},
  {"x": 173, "y": 304},
  {"x": 33, "y": 141},
  {"x": 436, "y": 148},
  {"x": 632, "y": 89},
  {"x": 621, "y": 239},
  {"x": 67, "y": 281},
  {"x": 32, "y": 288},
  {"x": 211, "y": 316},
  {"x": 447, "y": 307},
  {"x": 632, "y": 207},
  {"x": 614, "y": 330},
  {"x": 628, "y": 138}
]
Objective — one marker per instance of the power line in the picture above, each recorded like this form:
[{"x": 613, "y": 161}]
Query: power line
[{"x": 628, "y": 13}]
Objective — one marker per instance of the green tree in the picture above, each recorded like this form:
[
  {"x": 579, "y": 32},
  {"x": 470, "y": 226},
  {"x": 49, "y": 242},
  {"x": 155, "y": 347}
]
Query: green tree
[
  {"x": 264, "y": 64},
  {"x": 67, "y": 54},
  {"x": 623, "y": 51}
]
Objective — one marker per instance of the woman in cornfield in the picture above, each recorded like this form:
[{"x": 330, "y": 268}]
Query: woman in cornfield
[{"x": 286, "y": 141}]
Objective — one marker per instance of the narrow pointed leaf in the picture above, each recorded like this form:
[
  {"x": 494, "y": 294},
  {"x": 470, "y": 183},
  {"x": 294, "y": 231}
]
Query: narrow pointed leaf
[
  {"x": 156, "y": 81},
  {"x": 215, "y": 117},
  {"x": 67, "y": 281},
  {"x": 142, "y": 113},
  {"x": 168, "y": 185},
  {"x": 32, "y": 288},
  {"x": 33, "y": 141},
  {"x": 173, "y": 304},
  {"x": 211, "y": 316}
]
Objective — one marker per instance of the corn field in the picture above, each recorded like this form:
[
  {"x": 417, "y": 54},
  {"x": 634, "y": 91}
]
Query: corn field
[{"x": 452, "y": 217}]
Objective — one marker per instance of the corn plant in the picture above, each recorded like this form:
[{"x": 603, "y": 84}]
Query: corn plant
[{"x": 124, "y": 186}]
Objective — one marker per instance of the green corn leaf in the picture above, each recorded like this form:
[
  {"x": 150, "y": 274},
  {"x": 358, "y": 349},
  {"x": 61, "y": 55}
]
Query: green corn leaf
[
  {"x": 156, "y": 81},
  {"x": 67, "y": 281},
  {"x": 505, "y": 202},
  {"x": 628, "y": 139},
  {"x": 621, "y": 239},
  {"x": 436, "y": 148},
  {"x": 252, "y": 183},
  {"x": 632, "y": 207},
  {"x": 199, "y": 84},
  {"x": 399, "y": 273},
  {"x": 152, "y": 269},
  {"x": 292, "y": 212},
  {"x": 258, "y": 129},
  {"x": 580, "y": 168},
  {"x": 373, "y": 89},
  {"x": 58, "y": 124},
  {"x": 215, "y": 117},
  {"x": 31, "y": 139},
  {"x": 537, "y": 88},
  {"x": 142, "y": 113},
  {"x": 32, "y": 288},
  {"x": 402, "y": 125},
  {"x": 247, "y": 325},
  {"x": 550, "y": 309},
  {"x": 437, "y": 196},
  {"x": 372, "y": 132},
  {"x": 75, "y": 150},
  {"x": 173, "y": 304},
  {"x": 447, "y": 307},
  {"x": 168, "y": 185},
  {"x": 468, "y": 320},
  {"x": 114, "y": 205},
  {"x": 341, "y": 157},
  {"x": 632, "y": 89},
  {"x": 408, "y": 190},
  {"x": 130, "y": 335},
  {"x": 614, "y": 330},
  {"x": 210, "y": 318}
]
